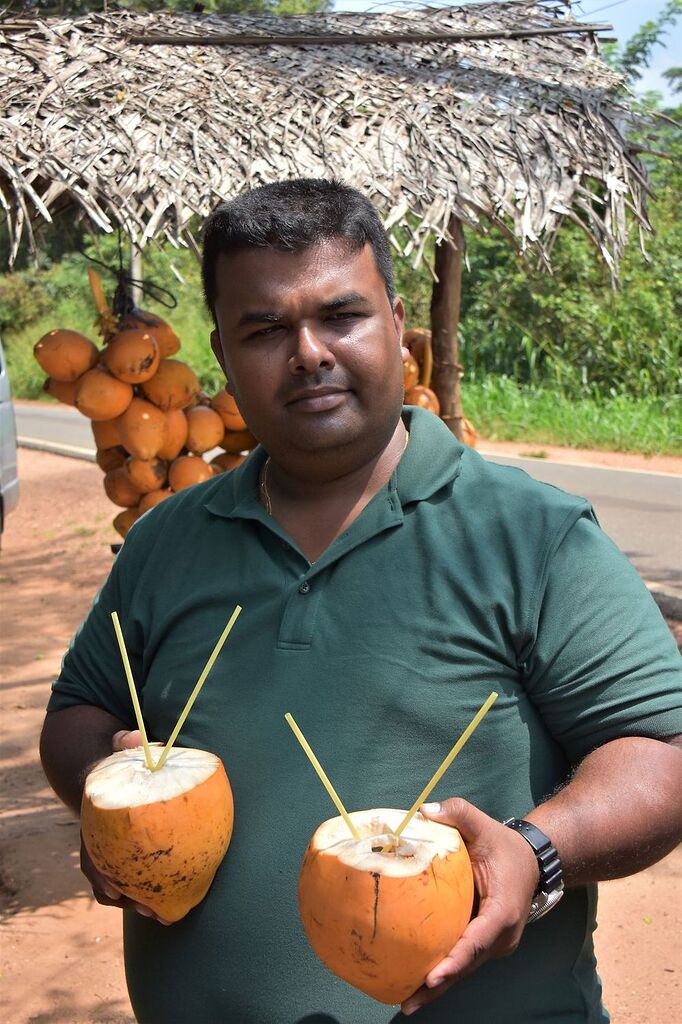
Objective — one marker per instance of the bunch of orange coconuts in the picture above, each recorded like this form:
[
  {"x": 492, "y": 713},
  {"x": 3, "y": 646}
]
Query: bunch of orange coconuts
[
  {"x": 151, "y": 422},
  {"x": 417, "y": 370}
]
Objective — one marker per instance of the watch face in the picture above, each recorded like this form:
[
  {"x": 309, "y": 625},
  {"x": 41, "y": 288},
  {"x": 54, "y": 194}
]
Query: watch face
[{"x": 543, "y": 903}]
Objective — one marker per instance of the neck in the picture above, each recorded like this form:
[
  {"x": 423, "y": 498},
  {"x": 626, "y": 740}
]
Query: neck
[
  {"x": 334, "y": 478},
  {"x": 314, "y": 512}
]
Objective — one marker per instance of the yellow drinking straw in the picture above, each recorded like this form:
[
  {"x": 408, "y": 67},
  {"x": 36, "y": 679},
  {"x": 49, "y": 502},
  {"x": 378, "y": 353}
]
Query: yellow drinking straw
[
  {"x": 320, "y": 771},
  {"x": 195, "y": 692},
  {"x": 471, "y": 727},
  {"x": 133, "y": 691}
]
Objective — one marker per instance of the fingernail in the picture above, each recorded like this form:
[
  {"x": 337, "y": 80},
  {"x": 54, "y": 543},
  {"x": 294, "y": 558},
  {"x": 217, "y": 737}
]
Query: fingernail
[
  {"x": 109, "y": 891},
  {"x": 433, "y": 981},
  {"x": 431, "y": 808},
  {"x": 117, "y": 739}
]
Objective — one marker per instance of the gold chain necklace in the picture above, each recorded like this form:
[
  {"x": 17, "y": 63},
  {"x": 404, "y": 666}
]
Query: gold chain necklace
[{"x": 265, "y": 494}]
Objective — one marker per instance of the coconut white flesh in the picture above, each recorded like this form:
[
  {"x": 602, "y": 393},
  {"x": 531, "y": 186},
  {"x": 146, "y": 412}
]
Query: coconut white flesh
[
  {"x": 379, "y": 850},
  {"x": 123, "y": 780}
]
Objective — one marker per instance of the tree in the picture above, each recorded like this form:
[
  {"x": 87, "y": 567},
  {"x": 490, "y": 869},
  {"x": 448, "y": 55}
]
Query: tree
[
  {"x": 674, "y": 77},
  {"x": 635, "y": 55},
  {"x": 76, "y": 7}
]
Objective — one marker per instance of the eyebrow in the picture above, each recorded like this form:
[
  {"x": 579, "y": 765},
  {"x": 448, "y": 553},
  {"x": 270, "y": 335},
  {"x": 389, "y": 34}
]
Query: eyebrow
[
  {"x": 270, "y": 317},
  {"x": 258, "y": 318},
  {"x": 344, "y": 300}
]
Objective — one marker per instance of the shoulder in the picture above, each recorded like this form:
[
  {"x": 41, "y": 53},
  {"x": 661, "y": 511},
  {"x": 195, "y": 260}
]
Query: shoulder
[{"x": 508, "y": 497}]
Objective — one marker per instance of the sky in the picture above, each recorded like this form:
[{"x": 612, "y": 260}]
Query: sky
[{"x": 626, "y": 16}]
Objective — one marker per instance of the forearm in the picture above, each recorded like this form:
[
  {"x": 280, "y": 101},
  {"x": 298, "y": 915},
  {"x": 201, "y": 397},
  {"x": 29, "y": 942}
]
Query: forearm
[
  {"x": 71, "y": 742},
  {"x": 620, "y": 812}
]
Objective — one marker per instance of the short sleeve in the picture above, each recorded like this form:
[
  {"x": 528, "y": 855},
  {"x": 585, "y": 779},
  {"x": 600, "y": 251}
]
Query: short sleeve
[
  {"x": 92, "y": 671},
  {"x": 603, "y": 663}
]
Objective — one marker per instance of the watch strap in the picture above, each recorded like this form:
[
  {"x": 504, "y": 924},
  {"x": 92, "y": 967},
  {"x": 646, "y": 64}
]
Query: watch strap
[{"x": 550, "y": 884}]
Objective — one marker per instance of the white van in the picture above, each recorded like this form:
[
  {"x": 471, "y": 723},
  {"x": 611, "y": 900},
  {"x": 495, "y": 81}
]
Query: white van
[{"x": 9, "y": 480}]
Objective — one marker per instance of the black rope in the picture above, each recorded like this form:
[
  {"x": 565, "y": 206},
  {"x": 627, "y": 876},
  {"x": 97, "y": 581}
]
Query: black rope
[{"x": 123, "y": 303}]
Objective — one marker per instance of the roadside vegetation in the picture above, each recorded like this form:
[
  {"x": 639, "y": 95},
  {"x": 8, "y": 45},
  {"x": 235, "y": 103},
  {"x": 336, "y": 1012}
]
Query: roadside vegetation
[{"x": 557, "y": 359}]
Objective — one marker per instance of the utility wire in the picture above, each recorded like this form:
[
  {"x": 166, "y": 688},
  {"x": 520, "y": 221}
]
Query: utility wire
[{"x": 606, "y": 7}]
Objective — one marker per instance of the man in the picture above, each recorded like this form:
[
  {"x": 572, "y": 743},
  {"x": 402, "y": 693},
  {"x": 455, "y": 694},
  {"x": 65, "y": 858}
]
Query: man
[{"x": 390, "y": 579}]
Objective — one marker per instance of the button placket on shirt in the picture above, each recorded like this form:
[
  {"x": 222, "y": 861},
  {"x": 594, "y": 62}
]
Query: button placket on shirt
[
  {"x": 298, "y": 616},
  {"x": 297, "y": 624}
]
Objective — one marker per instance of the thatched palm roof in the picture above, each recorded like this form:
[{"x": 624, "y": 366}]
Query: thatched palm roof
[{"x": 520, "y": 131}]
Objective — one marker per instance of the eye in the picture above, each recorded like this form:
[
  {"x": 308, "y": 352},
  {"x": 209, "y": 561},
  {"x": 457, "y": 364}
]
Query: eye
[
  {"x": 346, "y": 314},
  {"x": 265, "y": 332}
]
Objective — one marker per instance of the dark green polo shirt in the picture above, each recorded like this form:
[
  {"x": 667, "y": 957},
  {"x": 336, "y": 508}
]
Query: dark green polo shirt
[{"x": 458, "y": 578}]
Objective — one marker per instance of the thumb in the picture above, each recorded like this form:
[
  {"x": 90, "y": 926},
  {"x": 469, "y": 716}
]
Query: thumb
[
  {"x": 460, "y": 814},
  {"x": 126, "y": 738}
]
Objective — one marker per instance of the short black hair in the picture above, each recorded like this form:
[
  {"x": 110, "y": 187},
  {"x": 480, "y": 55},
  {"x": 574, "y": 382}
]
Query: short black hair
[{"x": 291, "y": 216}]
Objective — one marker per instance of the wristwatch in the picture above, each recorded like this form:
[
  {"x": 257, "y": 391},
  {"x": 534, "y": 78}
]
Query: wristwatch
[{"x": 551, "y": 885}]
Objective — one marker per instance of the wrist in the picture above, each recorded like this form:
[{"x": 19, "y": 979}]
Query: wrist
[{"x": 548, "y": 873}]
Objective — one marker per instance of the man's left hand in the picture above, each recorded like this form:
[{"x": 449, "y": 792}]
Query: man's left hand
[{"x": 506, "y": 877}]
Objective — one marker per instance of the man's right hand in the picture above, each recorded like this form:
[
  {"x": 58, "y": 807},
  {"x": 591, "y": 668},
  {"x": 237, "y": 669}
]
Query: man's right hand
[
  {"x": 103, "y": 889},
  {"x": 106, "y": 893}
]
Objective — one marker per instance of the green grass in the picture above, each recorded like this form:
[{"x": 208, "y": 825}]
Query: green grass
[{"x": 503, "y": 411}]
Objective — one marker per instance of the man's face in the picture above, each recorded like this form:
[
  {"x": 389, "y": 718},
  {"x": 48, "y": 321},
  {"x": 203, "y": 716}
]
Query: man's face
[{"x": 311, "y": 348}]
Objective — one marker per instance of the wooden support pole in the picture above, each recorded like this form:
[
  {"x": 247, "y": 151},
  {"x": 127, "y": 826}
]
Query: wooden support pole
[
  {"x": 136, "y": 273},
  {"x": 347, "y": 38},
  {"x": 445, "y": 306}
]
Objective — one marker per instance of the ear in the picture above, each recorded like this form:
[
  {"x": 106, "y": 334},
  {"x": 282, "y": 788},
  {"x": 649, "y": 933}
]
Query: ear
[
  {"x": 217, "y": 350},
  {"x": 399, "y": 321}
]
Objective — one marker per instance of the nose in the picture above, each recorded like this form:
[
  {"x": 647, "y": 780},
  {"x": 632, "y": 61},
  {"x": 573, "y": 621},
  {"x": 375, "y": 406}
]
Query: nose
[{"x": 310, "y": 353}]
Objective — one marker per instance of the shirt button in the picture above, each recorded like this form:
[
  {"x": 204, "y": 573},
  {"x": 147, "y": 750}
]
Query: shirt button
[{"x": 304, "y": 587}]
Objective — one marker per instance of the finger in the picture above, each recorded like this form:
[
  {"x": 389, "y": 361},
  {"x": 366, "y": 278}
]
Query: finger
[
  {"x": 462, "y": 960},
  {"x": 490, "y": 935},
  {"x": 139, "y": 908},
  {"x": 495, "y": 933},
  {"x": 469, "y": 952},
  {"x": 105, "y": 900},
  {"x": 460, "y": 814},
  {"x": 146, "y": 912},
  {"x": 123, "y": 903},
  {"x": 126, "y": 738},
  {"x": 109, "y": 890},
  {"x": 422, "y": 997}
]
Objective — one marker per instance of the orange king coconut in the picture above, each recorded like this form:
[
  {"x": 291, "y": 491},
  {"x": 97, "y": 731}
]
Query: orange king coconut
[
  {"x": 158, "y": 827},
  {"x": 159, "y": 836},
  {"x": 384, "y": 894},
  {"x": 382, "y": 910}
]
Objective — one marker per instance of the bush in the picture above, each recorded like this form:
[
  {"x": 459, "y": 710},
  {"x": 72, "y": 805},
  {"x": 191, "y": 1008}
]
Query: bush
[{"x": 503, "y": 410}]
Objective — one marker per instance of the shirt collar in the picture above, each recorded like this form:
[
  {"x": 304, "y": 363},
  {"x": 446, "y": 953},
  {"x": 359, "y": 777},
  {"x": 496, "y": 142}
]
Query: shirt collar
[
  {"x": 432, "y": 457},
  {"x": 238, "y": 495},
  {"x": 430, "y": 461}
]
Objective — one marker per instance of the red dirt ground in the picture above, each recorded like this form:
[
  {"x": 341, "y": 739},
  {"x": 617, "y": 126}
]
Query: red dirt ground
[{"x": 60, "y": 951}]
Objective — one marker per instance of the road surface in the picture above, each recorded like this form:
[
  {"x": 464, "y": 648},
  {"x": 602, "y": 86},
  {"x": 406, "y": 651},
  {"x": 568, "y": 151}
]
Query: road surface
[{"x": 640, "y": 510}]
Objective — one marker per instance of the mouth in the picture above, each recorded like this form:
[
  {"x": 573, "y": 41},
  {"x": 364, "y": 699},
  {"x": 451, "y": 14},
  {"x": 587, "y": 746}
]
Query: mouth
[{"x": 317, "y": 399}]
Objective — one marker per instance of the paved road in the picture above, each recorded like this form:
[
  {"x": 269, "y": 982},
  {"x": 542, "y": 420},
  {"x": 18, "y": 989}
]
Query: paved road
[
  {"x": 55, "y": 427},
  {"x": 641, "y": 511}
]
